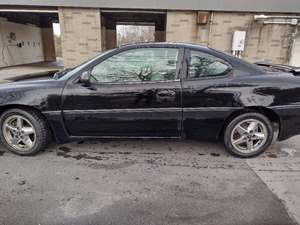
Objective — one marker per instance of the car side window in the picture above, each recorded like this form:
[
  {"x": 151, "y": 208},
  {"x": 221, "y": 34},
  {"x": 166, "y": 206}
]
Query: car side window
[
  {"x": 138, "y": 65},
  {"x": 205, "y": 65}
]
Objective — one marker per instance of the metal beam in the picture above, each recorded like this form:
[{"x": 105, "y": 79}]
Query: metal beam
[{"x": 28, "y": 10}]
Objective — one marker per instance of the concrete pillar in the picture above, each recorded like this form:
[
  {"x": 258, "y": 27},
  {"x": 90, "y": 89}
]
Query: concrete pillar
[
  {"x": 103, "y": 38},
  {"x": 181, "y": 26},
  {"x": 295, "y": 53},
  {"x": 111, "y": 38},
  {"x": 81, "y": 34},
  {"x": 160, "y": 36},
  {"x": 48, "y": 44}
]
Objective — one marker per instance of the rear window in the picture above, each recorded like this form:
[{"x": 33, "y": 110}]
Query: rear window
[{"x": 205, "y": 65}]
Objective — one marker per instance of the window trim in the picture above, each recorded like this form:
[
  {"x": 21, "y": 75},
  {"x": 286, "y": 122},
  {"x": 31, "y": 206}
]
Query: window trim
[
  {"x": 177, "y": 70},
  {"x": 188, "y": 60},
  {"x": 134, "y": 82}
]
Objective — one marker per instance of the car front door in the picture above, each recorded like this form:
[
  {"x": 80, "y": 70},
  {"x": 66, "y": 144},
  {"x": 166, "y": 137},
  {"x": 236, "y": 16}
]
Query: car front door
[{"x": 135, "y": 92}]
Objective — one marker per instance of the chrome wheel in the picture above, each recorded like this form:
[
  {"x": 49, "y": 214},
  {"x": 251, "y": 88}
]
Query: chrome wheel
[
  {"x": 249, "y": 136},
  {"x": 19, "y": 133}
]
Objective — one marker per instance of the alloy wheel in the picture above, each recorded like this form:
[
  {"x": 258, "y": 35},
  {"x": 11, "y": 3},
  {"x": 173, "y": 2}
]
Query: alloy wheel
[
  {"x": 249, "y": 136},
  {"x": 19, "y": 133}
]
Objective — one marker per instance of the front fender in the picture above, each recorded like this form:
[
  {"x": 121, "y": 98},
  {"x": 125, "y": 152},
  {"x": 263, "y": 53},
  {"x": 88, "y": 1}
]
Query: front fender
[{"x": 44, "y": 96}]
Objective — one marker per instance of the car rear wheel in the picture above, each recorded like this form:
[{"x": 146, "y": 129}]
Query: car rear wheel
[
  {"x": 248, "y": 135},
  {"x": 23, "y": 132}
]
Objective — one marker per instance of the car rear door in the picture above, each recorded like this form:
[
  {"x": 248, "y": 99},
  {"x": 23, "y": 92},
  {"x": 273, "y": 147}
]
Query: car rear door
[
  {"x": 207, "y": 97},
  {"x": 135, "y": 93}
]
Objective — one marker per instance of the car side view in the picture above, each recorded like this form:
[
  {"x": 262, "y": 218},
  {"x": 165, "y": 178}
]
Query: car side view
[{"x": 155, "y": 90}]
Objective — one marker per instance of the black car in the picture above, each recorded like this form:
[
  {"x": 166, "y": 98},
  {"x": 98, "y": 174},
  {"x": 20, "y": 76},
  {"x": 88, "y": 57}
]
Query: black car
[{"x": 155, "y": 90}]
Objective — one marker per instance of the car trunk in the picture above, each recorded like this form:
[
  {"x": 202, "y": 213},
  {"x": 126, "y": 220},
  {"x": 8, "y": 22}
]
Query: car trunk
[{"x": 269, "y": 67}]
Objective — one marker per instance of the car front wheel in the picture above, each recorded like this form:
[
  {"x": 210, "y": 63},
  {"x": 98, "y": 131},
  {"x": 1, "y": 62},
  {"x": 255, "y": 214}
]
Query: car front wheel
[
  {"x": 248, "y": 135},
  {"x": 23, "y": 132}
]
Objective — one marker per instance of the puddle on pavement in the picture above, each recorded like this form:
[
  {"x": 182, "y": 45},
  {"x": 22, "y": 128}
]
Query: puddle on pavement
[
  {"x": 289, "y": 152},
  {"x": 152, "y": 153},
  {"x": 112, "y": 165},
  {"x": 282, "y": 153},
  {"x": 66, "y": 152},
  {"x": 64, "y": 149},
  {"x": 81, "y": 156},
  {"x": 272, "y": 155}
]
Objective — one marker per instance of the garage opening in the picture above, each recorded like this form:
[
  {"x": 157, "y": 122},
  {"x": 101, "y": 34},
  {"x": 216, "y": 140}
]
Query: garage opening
[
  {"x": 124, "y": 27},
  {"x": 27, "y": 37},
  {"x": 127, "y": 34}
]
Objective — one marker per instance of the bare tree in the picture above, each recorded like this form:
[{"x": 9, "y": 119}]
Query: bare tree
[{"x": 132, "y": 34}]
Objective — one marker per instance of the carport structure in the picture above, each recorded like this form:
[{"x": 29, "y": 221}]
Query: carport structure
[
  {"x": 89, "y": 27},
  {"x": 111, "y": 18},
  {"x": 26, "y": 35}
]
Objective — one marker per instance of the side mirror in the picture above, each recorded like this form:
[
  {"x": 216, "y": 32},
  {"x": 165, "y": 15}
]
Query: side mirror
[{"x": 85, "y": 78}]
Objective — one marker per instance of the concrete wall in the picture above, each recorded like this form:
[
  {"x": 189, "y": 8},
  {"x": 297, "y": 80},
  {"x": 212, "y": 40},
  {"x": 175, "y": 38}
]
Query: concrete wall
[
  {"x": 30, "y": 36},
  {"x": 270, "y": 42},
  {"x": 83, "y": 38},
  {"x": 181, "y": 27},
  {"x": 81, "y": 34}
]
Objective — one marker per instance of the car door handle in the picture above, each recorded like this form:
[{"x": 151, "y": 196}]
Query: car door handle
[{"x": 166, "y": 93}]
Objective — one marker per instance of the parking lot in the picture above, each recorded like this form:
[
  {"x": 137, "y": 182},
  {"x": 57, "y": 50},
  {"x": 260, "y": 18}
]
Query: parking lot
[{"x": 149, "y": 182}]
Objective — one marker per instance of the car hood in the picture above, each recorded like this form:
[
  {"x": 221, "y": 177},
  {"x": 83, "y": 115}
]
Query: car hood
[{"x": 30, "y": 83}]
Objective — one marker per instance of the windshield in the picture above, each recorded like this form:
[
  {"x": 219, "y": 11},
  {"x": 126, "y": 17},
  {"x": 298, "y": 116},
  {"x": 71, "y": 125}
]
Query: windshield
[{"x": 64, "y": 74}]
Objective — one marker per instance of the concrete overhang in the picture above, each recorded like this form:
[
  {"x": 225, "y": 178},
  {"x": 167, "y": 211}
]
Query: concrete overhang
[{"x": 288, "y": 6}]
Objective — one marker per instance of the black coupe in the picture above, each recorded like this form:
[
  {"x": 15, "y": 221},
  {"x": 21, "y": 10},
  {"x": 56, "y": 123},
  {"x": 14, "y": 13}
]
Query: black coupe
[{"x": 155, "y": 90}]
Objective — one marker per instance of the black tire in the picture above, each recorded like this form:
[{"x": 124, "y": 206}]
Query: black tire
[
  {"x": 246, "y": 116},
  {"x": 42, "y": 132}
]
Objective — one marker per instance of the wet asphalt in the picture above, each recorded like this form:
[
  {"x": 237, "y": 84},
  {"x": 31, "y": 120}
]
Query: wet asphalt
[{"x": 150, "y": 182}]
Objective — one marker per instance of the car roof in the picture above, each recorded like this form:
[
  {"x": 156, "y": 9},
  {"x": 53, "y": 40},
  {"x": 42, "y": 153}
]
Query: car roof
[{"x": 163, "y": 44}]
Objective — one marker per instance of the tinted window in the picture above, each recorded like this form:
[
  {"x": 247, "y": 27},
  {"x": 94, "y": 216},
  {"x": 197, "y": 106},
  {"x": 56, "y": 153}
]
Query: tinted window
[
  {"x": 144, "y": 64},
  {"x": 205, "y": 65}
]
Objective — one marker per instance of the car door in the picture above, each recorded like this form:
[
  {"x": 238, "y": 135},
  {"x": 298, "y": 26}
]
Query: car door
[
  {"x": 135, "y": 93},
  {"x": 207, "y": 97}
]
